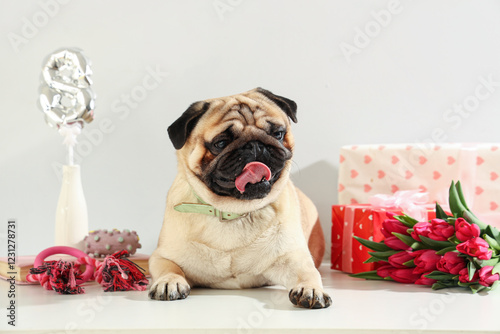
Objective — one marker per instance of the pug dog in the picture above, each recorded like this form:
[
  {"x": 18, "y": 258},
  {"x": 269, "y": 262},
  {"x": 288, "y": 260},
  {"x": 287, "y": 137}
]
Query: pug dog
[{"x": 233, "y": 217}]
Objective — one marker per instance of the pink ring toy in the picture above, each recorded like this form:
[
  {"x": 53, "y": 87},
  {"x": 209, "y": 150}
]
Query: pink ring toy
[{"x": 89, "y": 267}]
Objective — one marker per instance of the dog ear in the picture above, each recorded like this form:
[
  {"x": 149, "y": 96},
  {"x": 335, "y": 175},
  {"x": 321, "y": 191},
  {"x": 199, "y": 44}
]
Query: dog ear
[
  {"x": 287, "y": 105},
  {"x": 180, "y": 130}
]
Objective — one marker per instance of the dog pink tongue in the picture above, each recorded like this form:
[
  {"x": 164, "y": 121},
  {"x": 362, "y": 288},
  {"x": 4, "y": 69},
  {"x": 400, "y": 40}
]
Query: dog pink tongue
[{"x": 253, "y": 172}]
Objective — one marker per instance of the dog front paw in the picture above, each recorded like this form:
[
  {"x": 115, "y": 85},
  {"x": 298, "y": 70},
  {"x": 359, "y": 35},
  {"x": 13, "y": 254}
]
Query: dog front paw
[
  {"x": 169, "y": 287},
  {"x": 309, "y": 297}
]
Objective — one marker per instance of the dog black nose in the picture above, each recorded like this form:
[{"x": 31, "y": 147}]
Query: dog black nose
[{"x": 255, "y": 147}]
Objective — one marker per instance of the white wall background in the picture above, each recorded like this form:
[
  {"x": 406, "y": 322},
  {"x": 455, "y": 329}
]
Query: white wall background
[{"x": 407, "y": 64}]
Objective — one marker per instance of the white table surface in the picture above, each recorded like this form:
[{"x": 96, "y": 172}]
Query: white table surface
[{"x": 359, "y": 306}]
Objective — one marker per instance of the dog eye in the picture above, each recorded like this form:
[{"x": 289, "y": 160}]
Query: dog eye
[
  {"x": 221, "y": 144},
  {"x": 279, "y": 135}
]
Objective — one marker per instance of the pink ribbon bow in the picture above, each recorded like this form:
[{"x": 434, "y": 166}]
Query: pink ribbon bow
[{"x": 412, "y": 202}]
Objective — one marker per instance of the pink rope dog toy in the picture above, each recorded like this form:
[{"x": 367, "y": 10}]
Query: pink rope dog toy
[
  {"x": 115, "y": 273},
  {"x": 61, "y": 276}
]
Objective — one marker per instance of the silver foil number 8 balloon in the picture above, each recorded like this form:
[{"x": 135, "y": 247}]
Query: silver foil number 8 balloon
[{"x": 65, "y": 94}]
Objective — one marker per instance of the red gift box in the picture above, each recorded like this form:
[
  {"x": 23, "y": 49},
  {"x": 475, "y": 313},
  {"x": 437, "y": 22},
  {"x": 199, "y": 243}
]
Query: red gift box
[{"x": 361, "y": 220}]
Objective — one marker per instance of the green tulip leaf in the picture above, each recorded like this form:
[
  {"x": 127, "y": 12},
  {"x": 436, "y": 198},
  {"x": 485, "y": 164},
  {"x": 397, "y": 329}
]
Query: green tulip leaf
[
  {"x": 368, "y": 275},
  {"x": 456, "y": 206},
  {"x": 372, "y": 259},
  {"x": 491, "y": 262},
  {"x": 493, "y": 232},
  {"x": 460, "y": 193},
  {"x": 471, "y": 269},
  {"x": 383, "y": 256},
  {"x": 465, "y": 284},
  {"x": 406, "y": 220},
  {"x": 404, "y": 238},
  {"x": 469, "y": 216},
  {"x": 410, "y": 263},
  {"x": 440, "y": 212},
  {"x": 440, "y": 276},
  {"x": 496, "y": 269},
  {"x": 476, "y": 288},
  {"x": 376, "y": 246},
  {"x": 454, "y": 240},
  {"x": 492, "y": 242},
  {"x": 435, "y": 244},
  {"x": 446, "y": 250},
  {"x": 438, "y": 286}
]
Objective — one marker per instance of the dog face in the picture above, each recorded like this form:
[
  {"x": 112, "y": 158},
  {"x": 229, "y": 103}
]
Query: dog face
[{"x": 236, "y": 148}]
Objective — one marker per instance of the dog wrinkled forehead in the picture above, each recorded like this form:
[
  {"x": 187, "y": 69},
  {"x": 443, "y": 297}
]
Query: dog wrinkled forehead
[
  {"x": 240, "y": 112},
  {"x": 247, "y": 108}
]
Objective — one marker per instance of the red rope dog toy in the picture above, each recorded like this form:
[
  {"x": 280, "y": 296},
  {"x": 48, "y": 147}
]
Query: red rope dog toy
[{"x": 115, "y": 273}]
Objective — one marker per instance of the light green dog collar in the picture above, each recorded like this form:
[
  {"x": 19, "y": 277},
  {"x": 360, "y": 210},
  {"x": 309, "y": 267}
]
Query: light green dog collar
[{"x": 207, "y": 209}]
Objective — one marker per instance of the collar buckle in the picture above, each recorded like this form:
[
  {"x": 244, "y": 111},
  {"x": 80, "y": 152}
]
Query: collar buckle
[{"x": 225, "y": 217}]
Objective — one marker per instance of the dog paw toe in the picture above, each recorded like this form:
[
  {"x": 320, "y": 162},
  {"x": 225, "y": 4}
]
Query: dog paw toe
[
  {"x": 169, "y": 287},
  {"x": 309, "y": 297}
]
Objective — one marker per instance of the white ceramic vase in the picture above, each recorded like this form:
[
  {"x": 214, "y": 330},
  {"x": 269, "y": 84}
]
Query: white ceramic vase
[{"x": 71, "y": 215}]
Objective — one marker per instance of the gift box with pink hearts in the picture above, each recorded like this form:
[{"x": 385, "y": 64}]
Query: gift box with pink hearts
[{"x": 367, "y": 170}]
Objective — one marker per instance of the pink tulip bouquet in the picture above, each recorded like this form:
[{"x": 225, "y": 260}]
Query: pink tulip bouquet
[{"x": 449, "y": 251}]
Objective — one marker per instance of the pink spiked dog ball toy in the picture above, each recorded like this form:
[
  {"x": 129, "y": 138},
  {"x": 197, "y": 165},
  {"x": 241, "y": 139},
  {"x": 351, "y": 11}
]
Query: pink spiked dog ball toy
[{"x": 100, "y": 243}]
